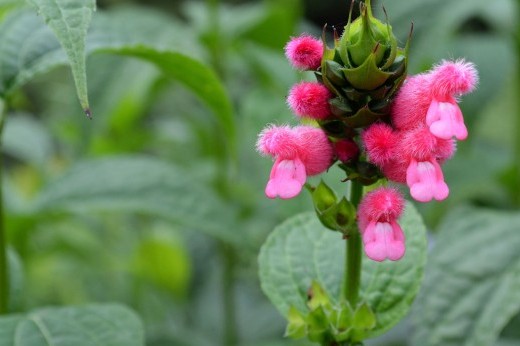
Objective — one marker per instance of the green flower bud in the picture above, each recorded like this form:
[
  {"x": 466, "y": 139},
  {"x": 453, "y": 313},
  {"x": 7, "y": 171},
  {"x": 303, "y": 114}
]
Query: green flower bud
[{"x": 367, "y": 37}]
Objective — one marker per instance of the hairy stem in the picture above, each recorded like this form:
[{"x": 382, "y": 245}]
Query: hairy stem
[
  {"x": 4, "y": 270},
  {"x": 353, "y": 258}
]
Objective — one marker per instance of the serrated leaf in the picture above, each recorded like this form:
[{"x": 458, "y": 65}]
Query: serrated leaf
[
  {"x": 301, "y": 250},
  {"x": 69, "y": 20},
  {"x": 92, "y": 325},
  {"x": 472, "y": 288},
  {"x": 138, "y": 184}
]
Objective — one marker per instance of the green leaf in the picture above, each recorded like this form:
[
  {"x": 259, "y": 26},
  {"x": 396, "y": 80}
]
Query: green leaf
[
  {"x": 301, "y": 250},
  {"x": 92, "y": 325},
  {"x": 70, "y": 19},
  {"x": 28, "y": 48},
  {"x": 139, "y": 184},
  {"x": 472, "y": 288}
]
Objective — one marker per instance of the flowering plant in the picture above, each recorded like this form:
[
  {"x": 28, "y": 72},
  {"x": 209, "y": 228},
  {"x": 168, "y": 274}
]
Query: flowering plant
[{"x": 383, "y": 127}]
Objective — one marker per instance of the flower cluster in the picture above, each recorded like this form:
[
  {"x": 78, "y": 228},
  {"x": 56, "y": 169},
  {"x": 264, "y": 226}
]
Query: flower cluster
[
  {"x": 377, "y": 122},
  {"x": 424, "y": 122}
]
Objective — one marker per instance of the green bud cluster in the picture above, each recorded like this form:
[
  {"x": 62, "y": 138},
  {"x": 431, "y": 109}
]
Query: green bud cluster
[
  {"x": 364, "y": 70},
  {"x": 333, "y": 214},
  {"x": 330, "y": 323}
]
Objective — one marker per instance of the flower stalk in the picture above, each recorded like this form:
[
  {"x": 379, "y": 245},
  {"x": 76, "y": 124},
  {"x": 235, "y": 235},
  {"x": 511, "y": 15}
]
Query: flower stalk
[{"x": 352, "y": 279}]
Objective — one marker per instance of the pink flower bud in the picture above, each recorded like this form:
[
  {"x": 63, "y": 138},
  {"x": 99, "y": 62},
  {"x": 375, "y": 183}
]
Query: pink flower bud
[
  {"x": 380, "y": 143},
  {"x": 304, "y": 52},
  {"x": 346, "y": 150},
  {"x": 310, "y": 100}
]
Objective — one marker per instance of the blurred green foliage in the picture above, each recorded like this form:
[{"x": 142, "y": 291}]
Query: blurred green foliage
[{"x": 86, "y": 222}]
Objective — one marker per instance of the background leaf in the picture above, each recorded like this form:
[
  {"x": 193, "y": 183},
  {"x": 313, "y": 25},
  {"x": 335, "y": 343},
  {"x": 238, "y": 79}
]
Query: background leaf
[
  {"x": 69, "y": 19},
  {"x": 299, "y": 251},
  {"x": 473, "y": 285},
  {"x": 110, "y": 325},
  {"x": 138, "y": 184}
]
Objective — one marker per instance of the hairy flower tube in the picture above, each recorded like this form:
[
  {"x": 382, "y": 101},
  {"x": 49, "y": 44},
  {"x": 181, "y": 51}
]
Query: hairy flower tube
[
  {"x": 304, "y": 52},
  {"x": 298, "y": 152},
  {"x": 377, "y": 219}
]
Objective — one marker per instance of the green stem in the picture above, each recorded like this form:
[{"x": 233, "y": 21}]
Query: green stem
[
  {"x": 353, "y": 258},
  {"x": 228, "y": 295},
  {"x": 516, "y": 149},
  {"x": 4, "y": 270}
]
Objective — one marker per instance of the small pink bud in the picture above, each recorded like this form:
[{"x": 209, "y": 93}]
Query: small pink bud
[
  {"x": 426, "y": 181},
  {"x": 304, "y": 52},
  {"x": 346, "y": 150},
  {"x": 380, "y": 143},
  {"x": 445, "y": 120},
  {"x": 310, "y": 100}
]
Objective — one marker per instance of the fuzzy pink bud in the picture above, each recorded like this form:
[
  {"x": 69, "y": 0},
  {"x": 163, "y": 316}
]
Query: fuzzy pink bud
[
  {"x": 278, "y": 141},
  {"x": 346, "y": 150},
  {"x": 310, "y": 100},
  {"x": 304, "y": 52},
  {"x": 380, "y": 143}
]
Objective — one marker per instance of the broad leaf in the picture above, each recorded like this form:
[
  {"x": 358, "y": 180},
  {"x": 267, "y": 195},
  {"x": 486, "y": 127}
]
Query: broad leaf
[
  {"x": 301, "y": 250},
  {"x": 28, "y": 48},
  {"x": 139, "y": 184},
  {"x": 70, "y": 19},
  {"x": 108, "y": 325},
  {"x": 472, "y": 288}
]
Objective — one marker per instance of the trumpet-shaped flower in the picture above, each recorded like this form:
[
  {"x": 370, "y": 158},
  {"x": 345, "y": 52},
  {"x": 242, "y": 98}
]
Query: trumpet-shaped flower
[
  {"x": 377, "y": 219},
  {"x": 298, "y": 152}
]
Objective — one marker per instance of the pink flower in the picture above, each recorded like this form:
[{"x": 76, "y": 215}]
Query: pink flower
[
  {"x": 430, "y": 99},
  {"x": 310, "y": 100},
  {"x": 304, "y": 52},
  {"x": 426, "y": 181},
  {"x": 445, "y": 120},
  {"x": 377, "y": 214},
  {"x": 298, "y": 152}
]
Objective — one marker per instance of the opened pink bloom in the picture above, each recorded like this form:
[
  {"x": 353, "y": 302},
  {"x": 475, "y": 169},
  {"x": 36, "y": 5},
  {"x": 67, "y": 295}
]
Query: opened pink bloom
[
  {"x": 298, "y": 152},
  {"x": 445, "y": 120},
  {"x": 431, "y": 99},
  {"x": 426, "y": 181},
  {"x": 377, "y": 218}
]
